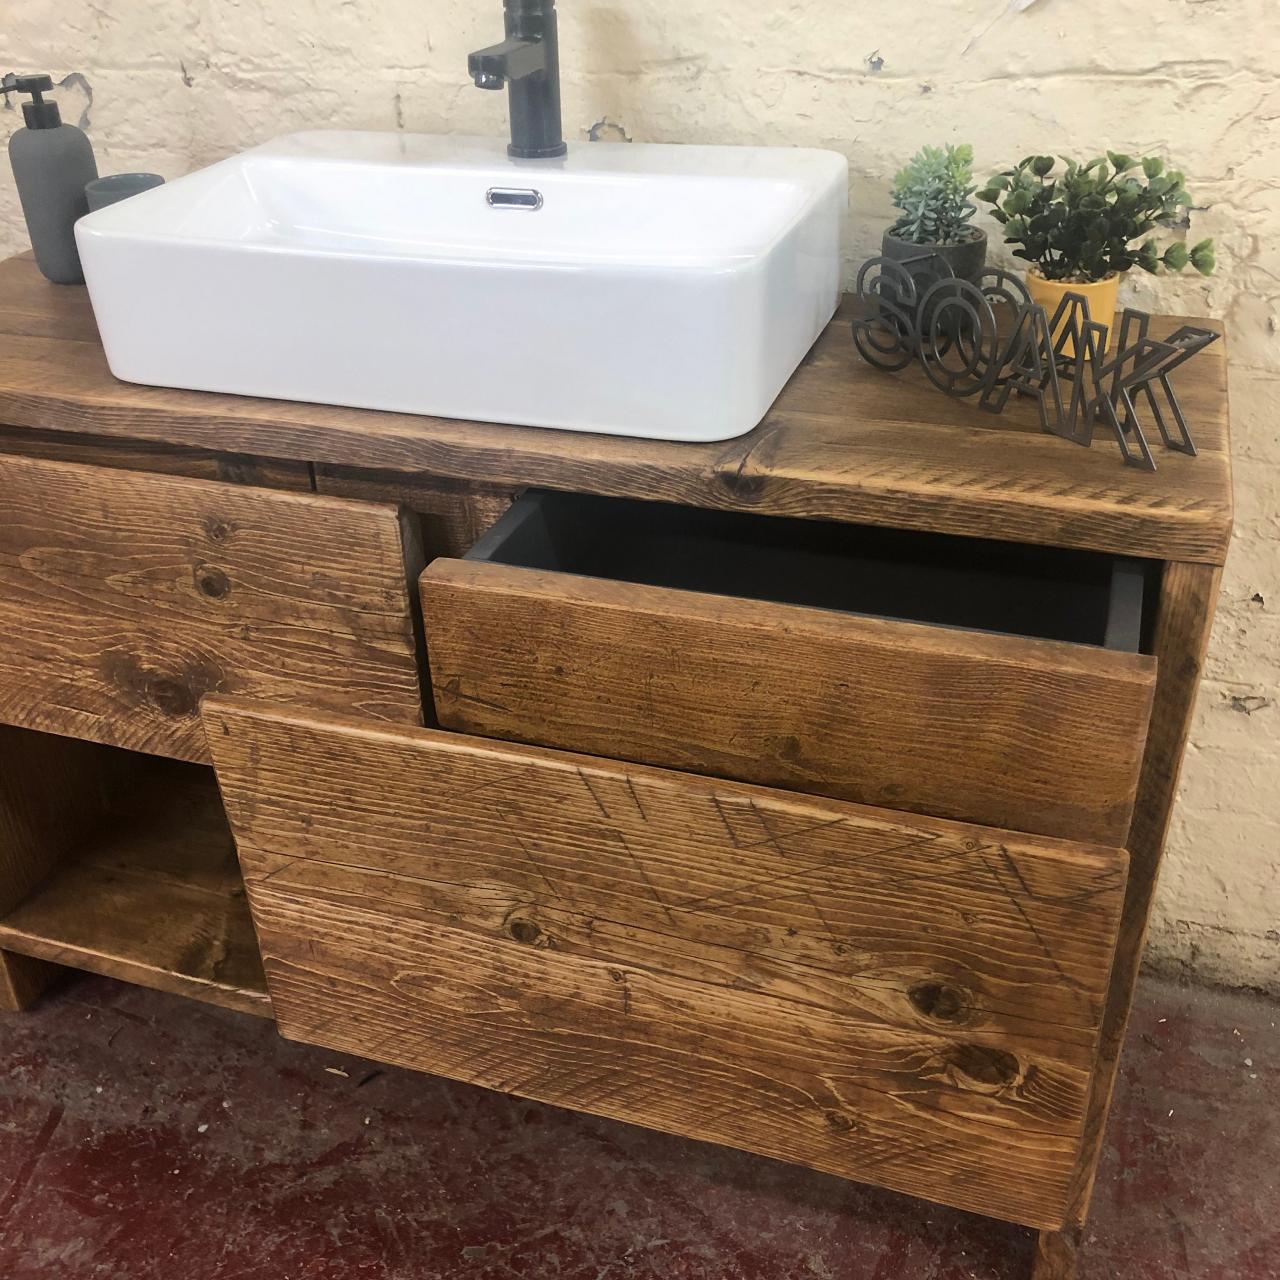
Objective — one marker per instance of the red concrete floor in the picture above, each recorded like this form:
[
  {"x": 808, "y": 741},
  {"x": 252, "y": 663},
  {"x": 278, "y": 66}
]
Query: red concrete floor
[{"x": 145, "y": 1136}]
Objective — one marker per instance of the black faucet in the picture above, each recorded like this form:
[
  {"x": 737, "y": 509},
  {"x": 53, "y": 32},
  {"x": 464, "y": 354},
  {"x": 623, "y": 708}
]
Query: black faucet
[{"x": 528, "y": 61}]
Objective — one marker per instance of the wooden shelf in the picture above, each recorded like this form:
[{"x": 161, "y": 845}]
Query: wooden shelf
[{"x": 153, "y": 896}]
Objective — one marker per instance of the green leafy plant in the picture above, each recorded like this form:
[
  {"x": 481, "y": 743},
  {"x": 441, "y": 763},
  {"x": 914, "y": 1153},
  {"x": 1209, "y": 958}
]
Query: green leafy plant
[
  {"x": 1081, "y": 225},
  {"x": 933, "y": 193}
]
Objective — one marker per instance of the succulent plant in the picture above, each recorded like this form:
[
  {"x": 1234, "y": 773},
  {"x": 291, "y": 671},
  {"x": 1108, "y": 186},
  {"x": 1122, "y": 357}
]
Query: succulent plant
[
  {"x": 933, "y": 191},
  {"x": 1081, "y": 225}
]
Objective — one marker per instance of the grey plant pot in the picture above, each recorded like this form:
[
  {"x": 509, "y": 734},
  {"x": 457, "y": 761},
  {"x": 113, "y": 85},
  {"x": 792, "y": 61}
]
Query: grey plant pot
[{"x": 966, "y": 259}]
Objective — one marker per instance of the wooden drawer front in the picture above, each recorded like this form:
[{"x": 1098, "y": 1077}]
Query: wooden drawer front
[
  {"x": 1031, "y": 735},
  {"x": 125, "y": 597},
  {"x": 903, "y": 1001}
]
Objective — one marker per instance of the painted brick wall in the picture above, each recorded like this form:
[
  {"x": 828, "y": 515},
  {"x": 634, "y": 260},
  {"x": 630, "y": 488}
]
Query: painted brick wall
[{"x": 172, "y": 84}]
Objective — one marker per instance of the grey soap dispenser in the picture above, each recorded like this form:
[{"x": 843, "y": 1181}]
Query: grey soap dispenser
[{"x": 51, "y": 162}]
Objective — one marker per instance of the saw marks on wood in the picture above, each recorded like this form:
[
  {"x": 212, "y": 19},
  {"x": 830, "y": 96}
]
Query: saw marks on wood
[{"x": 913, "y": 1003}]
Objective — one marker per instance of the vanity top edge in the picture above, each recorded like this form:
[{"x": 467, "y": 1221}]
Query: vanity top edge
[{"x": 842, "y": 442}]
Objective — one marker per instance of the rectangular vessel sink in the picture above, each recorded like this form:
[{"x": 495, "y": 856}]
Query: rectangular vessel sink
[{"x": 643, "y": 290}]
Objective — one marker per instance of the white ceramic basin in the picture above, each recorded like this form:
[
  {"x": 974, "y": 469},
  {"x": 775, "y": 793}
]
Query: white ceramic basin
[{"x": 659, "y": 291}]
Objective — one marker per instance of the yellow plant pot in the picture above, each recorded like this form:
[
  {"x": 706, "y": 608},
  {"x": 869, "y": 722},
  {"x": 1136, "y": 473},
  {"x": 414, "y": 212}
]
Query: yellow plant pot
[{"x": 1100, "y": 295}]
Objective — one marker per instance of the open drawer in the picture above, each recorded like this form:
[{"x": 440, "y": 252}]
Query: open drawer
[
  {"x": 126, "y": 596},
  {"x": 904, "y": 1001},
  {"x": 977, "y": 680}
]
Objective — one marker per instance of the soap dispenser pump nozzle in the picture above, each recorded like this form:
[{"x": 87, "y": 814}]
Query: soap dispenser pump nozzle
[{"x": 38, "y": 114}]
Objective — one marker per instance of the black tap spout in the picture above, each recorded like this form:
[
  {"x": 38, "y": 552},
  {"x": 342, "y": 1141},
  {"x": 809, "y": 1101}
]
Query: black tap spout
[{"x": 491, "y": 68}]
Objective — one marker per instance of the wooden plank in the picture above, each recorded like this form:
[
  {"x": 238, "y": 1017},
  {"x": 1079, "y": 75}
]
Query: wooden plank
[
  {"x": 35, "y": 307},
  {"x": 153, "y": 895},
  {"x": 1030, "y": 735},
  {"x": 1188, "y": 598},
  {"x": 130, "y": 455},
  {"x": 908, "y": 1002},
  {"x": 843, "y": 442},
  {"x": 454, "y": 513},
  {"x": 24, "y": 980},
  {"x": 126, "y": 597},
  {"x": 52, "y": 792},
  {"x": 1057, "y": 1253}
]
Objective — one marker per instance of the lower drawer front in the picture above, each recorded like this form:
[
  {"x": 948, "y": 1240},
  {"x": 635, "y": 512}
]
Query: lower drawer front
[
  {"x": 127, "y": 596},
  {"x": 902, "y": 1001}
]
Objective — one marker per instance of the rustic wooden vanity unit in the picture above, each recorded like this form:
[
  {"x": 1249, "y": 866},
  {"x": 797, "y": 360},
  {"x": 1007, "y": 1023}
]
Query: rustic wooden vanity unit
[{"x": 804, "y": 793}]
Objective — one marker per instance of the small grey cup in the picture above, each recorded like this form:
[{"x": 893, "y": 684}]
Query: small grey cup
[{"x": 118, "y": 186}]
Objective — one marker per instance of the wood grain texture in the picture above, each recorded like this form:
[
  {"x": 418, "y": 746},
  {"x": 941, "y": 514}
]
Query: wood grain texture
[
  {"x": 454, "y": 513},
  {"x": 1031, "y": 735},
  {"x": 130, "y": 455},
  {"x": 1057, "y": 1254},
  {"x": 125, "y": 597},
  {"x": 1188, "y": 598},
  {"x": 53, "y": 791},
  {"x": 152, "y": 894},
  {"x": 24, "y": 980},
  {"x": 911, "y": 1003},
  {"x": 842, "y": 442}
]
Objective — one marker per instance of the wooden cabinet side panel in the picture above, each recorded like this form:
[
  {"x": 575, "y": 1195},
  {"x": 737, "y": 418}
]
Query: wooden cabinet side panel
[
  {"x": 53, "y": 791},
  {"x": 126, "y": 597},
  {"x": 1188, "y": 599},
  {"x": 911, "y": 1003},
  {"x": 1020, "y": 734}
]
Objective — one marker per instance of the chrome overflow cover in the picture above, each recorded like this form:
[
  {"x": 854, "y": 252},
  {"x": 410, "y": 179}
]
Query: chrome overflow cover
[{"x": 513, "y": 198}]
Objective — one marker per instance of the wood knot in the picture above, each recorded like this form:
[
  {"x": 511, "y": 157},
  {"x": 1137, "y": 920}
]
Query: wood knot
[
  {"x": 175, "y": 694},
  {"x": 619, "y": 976},
  {"x": 216, "y": 530},
  {"x": 524, "y": 931},
  {"x": 744, "y": 486},
  {"x": 172, "y": 697},
  {"x": 838, "y": 1122},
  {"x": 980, "y": 1066},
  {"x": 937, "y": 1000},
  {"x": 211, "y": 582}
]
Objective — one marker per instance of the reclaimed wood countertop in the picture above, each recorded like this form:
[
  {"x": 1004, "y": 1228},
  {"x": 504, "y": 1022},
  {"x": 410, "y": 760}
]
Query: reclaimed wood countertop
[{"x": 843, "y": 442}]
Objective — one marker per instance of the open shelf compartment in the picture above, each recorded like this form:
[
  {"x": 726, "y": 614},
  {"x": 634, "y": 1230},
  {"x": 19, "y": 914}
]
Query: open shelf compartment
[{"x": 123, "y": 864}]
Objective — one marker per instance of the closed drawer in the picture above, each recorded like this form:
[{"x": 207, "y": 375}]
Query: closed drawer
[
  {"x": 125, "y": 597},
  {"x": 903, "y": 1001},
  {"x": 973, "y": 680}
]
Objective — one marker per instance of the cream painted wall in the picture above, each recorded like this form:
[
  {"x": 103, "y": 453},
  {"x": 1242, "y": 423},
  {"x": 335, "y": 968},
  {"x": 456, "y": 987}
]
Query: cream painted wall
[{"x": 173, "y": 84}]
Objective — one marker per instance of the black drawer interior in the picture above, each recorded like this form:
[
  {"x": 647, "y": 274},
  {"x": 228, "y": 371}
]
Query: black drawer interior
[{"x": 976, "y": 584}]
